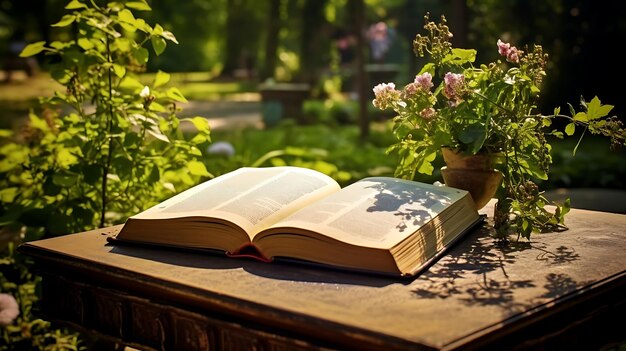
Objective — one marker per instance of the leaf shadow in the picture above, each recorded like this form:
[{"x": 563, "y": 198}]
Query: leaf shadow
[{"x": 476, "y": 274}]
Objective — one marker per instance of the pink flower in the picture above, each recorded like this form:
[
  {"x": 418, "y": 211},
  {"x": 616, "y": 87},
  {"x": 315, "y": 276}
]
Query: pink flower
[
  {"x": 513, "y": 55},
  {"x": 9, "y": 310},
  {"x": 453, "y": 85},
  {"x": 503, "y": 48},
  {"x": 386, "y": 94},
  {"x": 383, "y": 88},
  {"x": 410, "y": 89},
  {"x": 424, "y": 80},
  {"x": 428, "y": 113},
  {"x": 510, "y": 52}
]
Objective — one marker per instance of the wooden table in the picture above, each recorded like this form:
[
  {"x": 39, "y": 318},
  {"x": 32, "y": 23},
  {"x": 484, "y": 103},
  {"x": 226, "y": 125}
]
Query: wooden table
[{"x": 559, "y": 291}]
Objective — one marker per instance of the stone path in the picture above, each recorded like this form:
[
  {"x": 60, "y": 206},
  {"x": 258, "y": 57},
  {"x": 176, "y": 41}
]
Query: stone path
[{"x": 225, "y": 114}]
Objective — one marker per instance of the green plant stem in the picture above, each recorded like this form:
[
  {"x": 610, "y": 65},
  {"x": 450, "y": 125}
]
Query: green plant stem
[{"x": 109, "y": 121}]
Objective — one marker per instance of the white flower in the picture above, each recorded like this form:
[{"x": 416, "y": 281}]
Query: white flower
[
  {"x": 9, "y": 310},
  {"x": 145, "y": 92}
]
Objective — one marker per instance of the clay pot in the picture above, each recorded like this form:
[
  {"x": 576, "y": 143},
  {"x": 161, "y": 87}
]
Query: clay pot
[{"x": 474, "y": 173}]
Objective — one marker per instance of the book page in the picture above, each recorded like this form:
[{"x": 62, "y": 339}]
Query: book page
[
  {"x": 375, "y": 212},
  {"x": 252, "y": 198}
]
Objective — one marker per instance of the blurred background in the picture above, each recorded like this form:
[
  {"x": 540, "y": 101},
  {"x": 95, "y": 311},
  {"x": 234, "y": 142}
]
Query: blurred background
[
  {"x": 296, "y": 40},
  {"x": 234, "y": 54}
]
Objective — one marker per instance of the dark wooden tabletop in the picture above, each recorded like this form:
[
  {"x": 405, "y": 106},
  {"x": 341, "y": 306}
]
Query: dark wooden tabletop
[{"x": 478, "y": 292}]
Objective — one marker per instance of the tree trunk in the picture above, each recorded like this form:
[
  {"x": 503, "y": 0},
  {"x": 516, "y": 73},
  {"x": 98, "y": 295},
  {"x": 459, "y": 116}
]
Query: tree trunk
[
  {"x": 315, "y": 41},
  {"x": 357, "y": 11},
  {"x": 271, "y": 43},
  {"x": 242, "y": 35}
]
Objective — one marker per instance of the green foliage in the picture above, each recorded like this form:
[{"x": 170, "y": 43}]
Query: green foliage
[
  {"x": 488, "y": 109},
  {"x": 103, "y": 148},
  {"x": 107, "y": 146}
]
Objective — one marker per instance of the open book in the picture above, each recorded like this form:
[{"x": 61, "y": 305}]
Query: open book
[{"x": 378, "y": 224}]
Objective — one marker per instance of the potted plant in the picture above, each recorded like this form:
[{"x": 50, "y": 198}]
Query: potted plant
[{"x": 456, "y": 105}]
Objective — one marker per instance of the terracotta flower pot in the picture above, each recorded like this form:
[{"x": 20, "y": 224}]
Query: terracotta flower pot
[{"x": 474, "y": 173}]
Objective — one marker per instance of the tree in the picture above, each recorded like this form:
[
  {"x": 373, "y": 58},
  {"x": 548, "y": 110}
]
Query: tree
[
  {"x": 357, "y": 9},
  {"x": 272, "y": 39},
  {"x": 199, "y": 26},
  {"x": 243, "y": 34},
  {"x": 315, "y": 41}
]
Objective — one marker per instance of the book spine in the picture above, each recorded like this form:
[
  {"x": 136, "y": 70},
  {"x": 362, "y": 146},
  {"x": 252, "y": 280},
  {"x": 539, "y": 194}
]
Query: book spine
[{"x": 249, "y": 251}]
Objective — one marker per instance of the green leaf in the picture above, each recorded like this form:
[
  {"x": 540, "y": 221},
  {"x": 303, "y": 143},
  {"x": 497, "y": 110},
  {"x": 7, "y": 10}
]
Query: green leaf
[
  {"x": 143, "y": 26},
  {"x": 127, "y": 20},
  {"x": 175, "y": 94},
  {"x": 546, "y": 122},
  {"x": 38, "y": 123},
  {"x": 158, "y": 44},
  {"x": 59, "y": 45},
  {"x": 141, "y": 55},
  {"x": 85, "y": 43},
  {"x": 158, "y": 30},
  {"x": 64, "y": 179},
  {"x": 426, "y": 166},
  {"x": 534, "y": 89},
  {"x": 128, "y": 27},
  {"x": 33, "y": 49},
  {"x": 65, "y": 21},
  {"x": 596, "y": 110},
  {"x": 126, "y": 16},
  {"x": 119, "y": 70},
  {"x": 156, "y": 107},
  {"x": 195, "y": 151},
  {"x": 65, "y": 158},
  {"x": 138, "y": 5},
  {"x": 123, "y": 44},
  {"x": 161, "y": 78},
  {"x": 197, "y": 168},
  {"x": 169, "y": 36},
  {"x": 581, "y": 116},
  {"x": 154, "y": 175},
  {"x": 8, "y": 194},
  {"x": 131, "y": 83},
  {"x": 199, "y": 139},
  {"x": 564, "y": 210},
  {"x": 201, "y": 123},
  {"x": 75, "y": 4},
  {"x": 51, "y": 189},
  {"x": 429, "y": 67},
  {"x": 92, "y": 173},
  {"x": 474, "y": 135},
  {"x": 570, "y": 128},
  {"x": 157, "y": 134},
  {"x": 535, "y": 170},
  {"x": 460, "y": 56}
]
